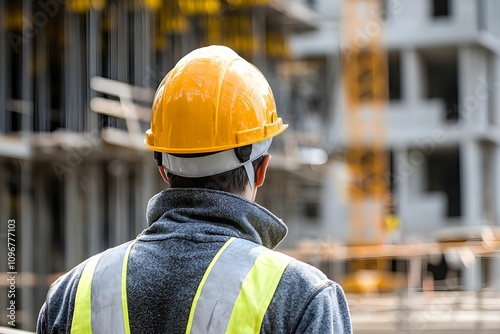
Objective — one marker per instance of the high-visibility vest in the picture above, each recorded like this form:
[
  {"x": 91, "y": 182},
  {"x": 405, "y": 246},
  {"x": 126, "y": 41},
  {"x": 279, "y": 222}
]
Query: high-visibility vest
[{"x": 232, "y": 297}]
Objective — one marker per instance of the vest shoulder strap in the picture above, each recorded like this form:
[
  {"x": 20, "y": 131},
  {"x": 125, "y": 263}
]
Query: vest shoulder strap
[
  {"x": 237, "y": 288},
  {"x": 101, "y": 295}
]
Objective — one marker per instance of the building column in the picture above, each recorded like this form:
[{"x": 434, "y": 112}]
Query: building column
[
  {"x": 94, "y": 50},
  {"x": 472, "y": 199},
  {"x": 42, "y": 228},
  {"x": 26, "y": 76},
  {"x": 5, "y": 215},
  {"x": 259, "y": 38},
  {"x": 494, "y": 89},
  {"x": 4, "y": 50},
  {"x": 123, "y": 40},
  {"x": 96, "y": 211},
  {"x": 495, "y": 272},
  {"x": 119, "y": 203},
  {"x": 473, "y": 87},
  {"x": 412, "y": 76},
  {"x": 25, "y": 239},
  {"x": 145, "y": 188},
  {"x": 471, "y": 275},
  {"x": 43, "y": 82},
  {"x": 333, "y": 202},
  {"x": 493, "y": 176},
  {"x": 401, "y": 177},
  {"x": 139, "y": 198},
  {"x": 142, "y": 45},
  {"x": 495, "y": 185},
  {"x": 471, "y": 181},
  {"x": 73, "y": 73},
  {"x": 74, "y": 236}
]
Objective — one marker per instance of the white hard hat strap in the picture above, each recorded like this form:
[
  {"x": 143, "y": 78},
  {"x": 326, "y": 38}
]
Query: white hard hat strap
[{"x": 251, "y": 174}]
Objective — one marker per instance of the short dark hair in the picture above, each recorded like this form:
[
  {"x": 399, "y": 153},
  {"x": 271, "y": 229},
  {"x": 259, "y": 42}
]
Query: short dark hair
[{"x": 233, "y": 181}]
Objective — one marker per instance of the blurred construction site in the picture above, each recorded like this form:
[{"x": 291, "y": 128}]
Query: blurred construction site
[{"x": 388, "y": 178}]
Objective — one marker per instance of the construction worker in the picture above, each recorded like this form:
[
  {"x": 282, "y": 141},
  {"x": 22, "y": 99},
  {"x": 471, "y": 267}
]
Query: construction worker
[{"x": 205, "y": 263}]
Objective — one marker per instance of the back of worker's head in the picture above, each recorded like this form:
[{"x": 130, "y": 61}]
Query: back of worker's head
[{"x": 212, "y": 121}]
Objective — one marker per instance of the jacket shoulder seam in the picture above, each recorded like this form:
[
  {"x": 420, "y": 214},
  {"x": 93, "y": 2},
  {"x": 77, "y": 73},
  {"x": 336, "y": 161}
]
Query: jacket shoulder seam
[{"x": 308, "y": 302}]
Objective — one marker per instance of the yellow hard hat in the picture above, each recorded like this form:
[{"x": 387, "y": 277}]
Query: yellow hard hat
[{"x": 212, "y": 100}]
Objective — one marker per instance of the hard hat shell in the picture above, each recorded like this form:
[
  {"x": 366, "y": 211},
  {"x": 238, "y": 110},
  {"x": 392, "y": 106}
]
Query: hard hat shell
[{"x": 212, "y": 100}]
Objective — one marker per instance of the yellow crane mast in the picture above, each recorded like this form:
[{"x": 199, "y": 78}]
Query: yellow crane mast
[{"x": 365, "y": 82}]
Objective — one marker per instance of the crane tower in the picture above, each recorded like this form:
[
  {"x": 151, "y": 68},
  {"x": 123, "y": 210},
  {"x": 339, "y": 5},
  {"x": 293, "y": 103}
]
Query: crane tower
[{"x": 364, "y": 76}]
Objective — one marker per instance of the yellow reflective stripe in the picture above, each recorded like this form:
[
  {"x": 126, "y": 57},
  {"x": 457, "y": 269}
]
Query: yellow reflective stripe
[
  {"x": 81, "y": 322},
  {"x": 202, "y": 283},
  {"x": 126, "y": 324},
  {"x": 256, "y": 293}
]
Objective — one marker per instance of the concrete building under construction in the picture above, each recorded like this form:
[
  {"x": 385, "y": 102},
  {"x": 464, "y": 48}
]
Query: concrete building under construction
[{"x": 441, "y": 121}]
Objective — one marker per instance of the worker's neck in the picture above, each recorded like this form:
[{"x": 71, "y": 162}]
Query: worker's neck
[{"x": 249, "y": 194}]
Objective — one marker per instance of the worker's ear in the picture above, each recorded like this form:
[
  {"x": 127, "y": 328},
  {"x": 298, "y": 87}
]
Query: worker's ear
[{"x": 261, "y": 171}]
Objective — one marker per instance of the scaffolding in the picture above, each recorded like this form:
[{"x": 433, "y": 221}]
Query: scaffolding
[{"x": 77, "y": 79}]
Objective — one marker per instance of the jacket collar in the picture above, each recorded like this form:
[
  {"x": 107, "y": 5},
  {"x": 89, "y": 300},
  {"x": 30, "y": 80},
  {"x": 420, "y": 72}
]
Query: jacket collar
[{"x": 198, "y": 212}]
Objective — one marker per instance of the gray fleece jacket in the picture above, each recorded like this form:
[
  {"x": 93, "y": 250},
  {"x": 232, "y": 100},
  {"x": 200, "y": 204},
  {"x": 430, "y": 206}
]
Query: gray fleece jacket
[{"x": 186, "y": 229}]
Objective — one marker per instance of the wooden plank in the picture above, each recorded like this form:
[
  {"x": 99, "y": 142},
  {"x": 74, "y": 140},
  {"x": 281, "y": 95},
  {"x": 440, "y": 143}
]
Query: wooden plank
[
  {"x": 121, "y": 89},
  {"x": 115, "y": 109},
  {"x": 123, "y": 138}
]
